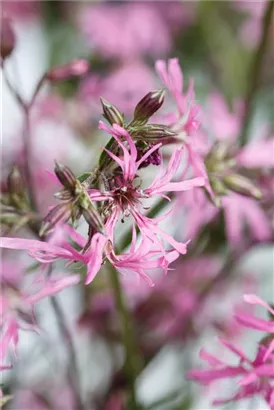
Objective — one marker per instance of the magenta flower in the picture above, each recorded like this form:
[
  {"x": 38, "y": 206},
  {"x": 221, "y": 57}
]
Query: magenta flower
[
  {"x": 125, "y": 31},
  {"x": 258, "y": 154},
  {"x": 45, "y": 252},
  {"x": 142, "y": 259},
  {"x": 257, "y": 376},
  {"x": 241, "y": 212},
  {"x": 253, "y": 322},
  {"x": 185, "y": 122},
  {"x": 125, "y": 198},
  {"x": 170, "y": 73},
  {"x": 17, "y": 304}
]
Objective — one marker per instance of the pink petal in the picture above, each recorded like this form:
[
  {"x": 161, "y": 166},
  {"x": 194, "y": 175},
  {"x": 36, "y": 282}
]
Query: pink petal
[
  {"x": 255, "y": 300},
  {"x": 184, "y": 185},
  {"x": 234, "y": 349},
  {"x": 207, "y": 376},
  {"x": 253, "y": 322},
  {"x": 269, "y": 351},
  {"x": 98, "y": 243},
  {"x": 213, "y": 361},
  {"x": 51, "y": 287}
]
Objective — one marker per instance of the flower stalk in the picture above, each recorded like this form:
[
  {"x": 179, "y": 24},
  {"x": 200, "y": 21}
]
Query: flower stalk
[{"x": 132, "y": 360}]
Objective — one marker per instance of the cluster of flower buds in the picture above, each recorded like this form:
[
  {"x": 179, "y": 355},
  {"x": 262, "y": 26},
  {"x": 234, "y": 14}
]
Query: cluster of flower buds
[
  {"x": 146, "y": 135},
  {"x": 225, "y": 174},
  {"x": 16, "y": 210},
  {"x": 75, "y": 203}
]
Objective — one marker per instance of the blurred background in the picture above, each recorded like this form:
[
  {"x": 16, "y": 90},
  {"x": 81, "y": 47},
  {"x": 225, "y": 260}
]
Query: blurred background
[{"x": 215, "y": 42}]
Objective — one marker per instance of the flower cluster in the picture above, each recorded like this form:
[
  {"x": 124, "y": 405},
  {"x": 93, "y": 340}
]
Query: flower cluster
[
  {"x": 257, "y": 375},
  {"x": 176, "y": 190}
]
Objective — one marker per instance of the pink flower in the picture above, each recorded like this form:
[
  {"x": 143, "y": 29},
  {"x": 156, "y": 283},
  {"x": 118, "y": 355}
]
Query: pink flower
[
  {"x": 17, "y": 304},
  {"x": 186, "y": 121},
  {"x": 241, "y": 212},
  {"x": 224, "y": 123},
  {"x": 250, "y": 29},
  {"x": 75, "y": 68},
  {"x": 257, "y": 376},
  {"x": 127, "y": 84},
  {"x": 172, "y": 76},
  {"x": 252, "y": 322},
  {"x": 45, "y": 252},
  {"x": 258, "y": 154},
  {"x": 125, "y": 31},
  {"x": 125, "y": 197}
]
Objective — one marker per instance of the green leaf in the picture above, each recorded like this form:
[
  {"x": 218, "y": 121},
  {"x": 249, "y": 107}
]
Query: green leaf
[
  {"x": 84, "y": 176},
  {"x": 104, "y": 157}
]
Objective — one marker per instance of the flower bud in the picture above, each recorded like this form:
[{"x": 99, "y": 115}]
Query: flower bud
[
  {"x": 57, "y": 214},
  {"x": 151, "y": 132},
  {"x": 155, "y": 157},
  {"x": 148, "y": 106},
  {"x": 7, "y": 38},
  {"x": 92, "y": 217},
  {"x": 65, "y": 176},
  {"x": 111, "y": 113},
  {"x": 15, "y": 182},
  {"x": 75, "y": 68},
  {"x": 242, "y": 185},
  {"x": 63, "y": 195}
]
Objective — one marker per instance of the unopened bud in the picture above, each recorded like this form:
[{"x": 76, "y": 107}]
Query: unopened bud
[
  {"x": 148, "y": 106},
  {"x": 15, "y": 182},
  {"x": 151, "y": 132},
  {"x": 63, "y": 195},
  {"x": 75, "y": 68},
  {"x": 93, "y": 217},
  {"x": 7, "y": 38},
  {"x": 111, "y": 113},
  {"x": 60, "y": 213},
  {"x": 242, "y": 185},
  {"x": 65, "y": 176},
  {"x": 155, "y": 157}
]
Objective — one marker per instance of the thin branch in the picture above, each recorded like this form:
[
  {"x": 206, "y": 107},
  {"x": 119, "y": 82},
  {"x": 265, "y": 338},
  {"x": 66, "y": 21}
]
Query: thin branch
[{"x": 72, "y": 373}]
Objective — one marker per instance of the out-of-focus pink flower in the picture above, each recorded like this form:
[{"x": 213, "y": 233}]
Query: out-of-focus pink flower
[
  {"x": 258, "y": 154},
  {"x": 127, "y": 84},
  {"x": 177, "y": 15},
  {"x": 250, "y": 30},
  {"x": 241, "y": 212},
  {"x": 17, "y": 303},
  {"x": 125, "y": 31},
  {"x": 257, "y": 375},
  {"x": 224, "y": 124},
  {"x": 20, "y": 10},
  {"x": 75, "y": 68},
  {"x": 253, "y": 322}
]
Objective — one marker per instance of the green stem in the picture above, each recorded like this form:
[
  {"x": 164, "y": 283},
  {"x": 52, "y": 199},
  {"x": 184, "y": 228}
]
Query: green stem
[
  {"x": 132, "y": 360},
  {"x": 255, "y": 72}
]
